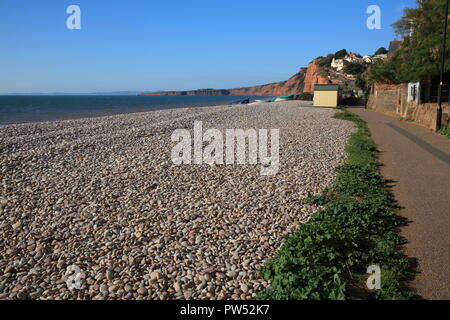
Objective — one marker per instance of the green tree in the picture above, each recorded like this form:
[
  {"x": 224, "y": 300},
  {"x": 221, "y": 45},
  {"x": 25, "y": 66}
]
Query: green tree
[
  {"x": 420, "y": 55},
  {"x": 354, "y": 68},
  {"x": 326, "y": 61},
  {"x": 340, "y": 54},
  {"x": 381, "y": 50},
  {"x": 385, "y": 72},
  {"x": 418, "y": 59},
  {"x": 361, "y": 82}
]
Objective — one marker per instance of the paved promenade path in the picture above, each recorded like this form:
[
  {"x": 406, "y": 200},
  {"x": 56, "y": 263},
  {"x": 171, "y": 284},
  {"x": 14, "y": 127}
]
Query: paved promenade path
[{"x": 418, "y": 161}]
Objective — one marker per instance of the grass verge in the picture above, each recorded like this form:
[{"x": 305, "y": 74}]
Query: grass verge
[{"x": 328, "y": 257}]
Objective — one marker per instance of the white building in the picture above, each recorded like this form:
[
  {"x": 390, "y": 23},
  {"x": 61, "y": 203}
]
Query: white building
[
  {"x": 380, "y": 57},
  {"x": 367, "y": 59},
  {"x": 337, "y": 64},
  {"x": 352, "y": 57}
]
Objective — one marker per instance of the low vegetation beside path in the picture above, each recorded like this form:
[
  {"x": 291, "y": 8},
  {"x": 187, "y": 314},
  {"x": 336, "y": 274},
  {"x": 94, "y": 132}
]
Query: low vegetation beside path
[
  {"x": 445, "y": 131},
  {"x": 328, "y": 257}
]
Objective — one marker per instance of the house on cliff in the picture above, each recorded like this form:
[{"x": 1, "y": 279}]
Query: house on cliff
[
  {"x": 367, "y": 59},
  {"x": 339, "y": 64},
  {"x": 379, "y": 57}
]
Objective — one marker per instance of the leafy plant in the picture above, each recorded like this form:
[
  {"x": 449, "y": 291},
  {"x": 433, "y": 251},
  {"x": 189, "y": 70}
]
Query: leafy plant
[
  {"x": 328, "y": 256},
  {"x": 445, "y": 130}
]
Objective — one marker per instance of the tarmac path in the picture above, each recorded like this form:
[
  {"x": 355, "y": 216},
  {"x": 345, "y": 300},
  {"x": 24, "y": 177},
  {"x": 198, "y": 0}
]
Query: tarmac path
[{"x": 417, "y": 160}]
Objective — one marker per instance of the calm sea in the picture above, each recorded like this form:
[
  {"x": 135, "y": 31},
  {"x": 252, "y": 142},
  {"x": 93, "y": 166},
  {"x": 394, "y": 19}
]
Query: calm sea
[{"x": 23, "y": 109}]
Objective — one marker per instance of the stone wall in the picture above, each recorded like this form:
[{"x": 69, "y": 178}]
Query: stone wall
[{"x": 393, "y": 100}]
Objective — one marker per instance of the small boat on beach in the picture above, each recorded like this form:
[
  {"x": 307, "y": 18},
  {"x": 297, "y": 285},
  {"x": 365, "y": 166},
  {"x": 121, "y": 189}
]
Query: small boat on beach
[
  {"x": 244, "y": 101},
  {"x": 284, "y": 98},
  {"x": 256, "y": 102}
]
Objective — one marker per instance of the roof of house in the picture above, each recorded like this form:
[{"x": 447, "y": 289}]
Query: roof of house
[{"x": 326, "y": 87}]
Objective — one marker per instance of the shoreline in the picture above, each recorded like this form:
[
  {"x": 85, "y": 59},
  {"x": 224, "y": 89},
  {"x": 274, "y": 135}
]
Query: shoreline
[
  {"x": 108, "y": 115},
  {"x": 304, "y": 104},
  {"x": 19, "y": 114}
]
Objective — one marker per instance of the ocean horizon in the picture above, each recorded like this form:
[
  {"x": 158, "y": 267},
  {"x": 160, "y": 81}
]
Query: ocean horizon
[{"x": 40, "y": 108}]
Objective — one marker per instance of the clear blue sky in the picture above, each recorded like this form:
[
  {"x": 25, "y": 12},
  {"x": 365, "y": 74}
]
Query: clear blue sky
[{"x": 177, "y": 44}]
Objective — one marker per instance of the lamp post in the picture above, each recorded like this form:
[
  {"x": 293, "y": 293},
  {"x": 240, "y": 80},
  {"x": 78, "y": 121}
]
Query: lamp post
[{"x": 442, "y": 68}]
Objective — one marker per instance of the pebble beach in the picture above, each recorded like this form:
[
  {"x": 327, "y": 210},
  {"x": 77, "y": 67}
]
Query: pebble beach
[{"x": 103, "y": 194}]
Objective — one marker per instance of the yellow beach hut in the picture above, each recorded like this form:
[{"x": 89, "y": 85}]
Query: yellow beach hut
[{"x": 326, "y": 95}]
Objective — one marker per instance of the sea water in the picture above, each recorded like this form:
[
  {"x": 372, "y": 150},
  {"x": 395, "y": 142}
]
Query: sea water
[{"x": 24, "y": 109}]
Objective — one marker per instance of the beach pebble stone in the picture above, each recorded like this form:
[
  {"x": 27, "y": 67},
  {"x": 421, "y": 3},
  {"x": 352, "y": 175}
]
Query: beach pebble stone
[
  {"x": 187, "y": 294},
  {"x": 155, "y": 275},
  {"x": 110, "y": 274},
  {"x": 244, "y": 288},
  {"x": 17, "y": 225},
  {"x": 142, "y": 291},
  {"x": 177, "y": 286}
]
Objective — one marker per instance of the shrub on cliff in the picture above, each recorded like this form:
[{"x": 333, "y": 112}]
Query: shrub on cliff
[
  {"x": 341, "y": 54},
  {"x": 381, "y": 50},
  {"x": 325, "y": 62},
  {"x": 354, "y": 68}
]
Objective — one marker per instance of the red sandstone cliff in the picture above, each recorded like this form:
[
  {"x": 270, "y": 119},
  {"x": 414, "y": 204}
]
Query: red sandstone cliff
[
  {"x": 292, "y": 86},
  {"x": 314, "y": 76},
  {"x": 303, "y": 81}
]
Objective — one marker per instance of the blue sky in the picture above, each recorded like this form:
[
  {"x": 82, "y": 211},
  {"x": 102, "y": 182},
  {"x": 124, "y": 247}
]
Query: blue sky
[{"x": 177, "y": 44}]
